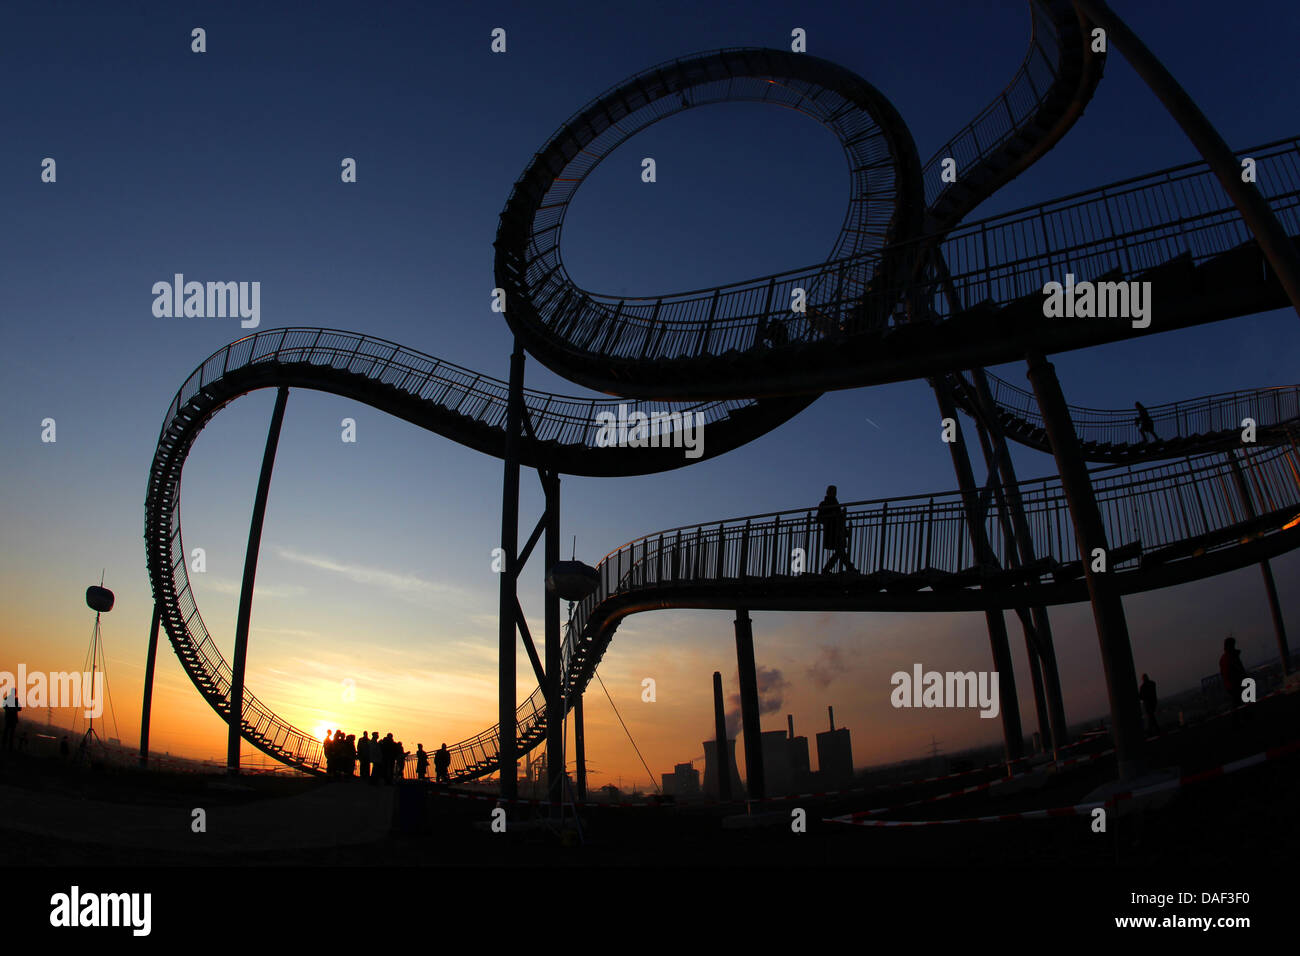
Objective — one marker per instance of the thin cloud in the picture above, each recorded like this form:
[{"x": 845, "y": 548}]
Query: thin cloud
[
  {"x": 287, "y": 632},
  {"x": 406, "y": 587},
  {"x": 227, "y": 586}
]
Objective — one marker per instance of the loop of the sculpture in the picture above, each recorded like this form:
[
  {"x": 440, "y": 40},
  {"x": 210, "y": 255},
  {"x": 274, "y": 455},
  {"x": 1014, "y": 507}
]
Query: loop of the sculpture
[{"x": 885, "y": 207}]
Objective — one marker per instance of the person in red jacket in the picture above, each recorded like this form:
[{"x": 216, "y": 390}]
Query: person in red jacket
[{"x": 1233, "y": 673}]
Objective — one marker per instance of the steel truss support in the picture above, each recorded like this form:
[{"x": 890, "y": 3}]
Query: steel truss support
[
  {"x": 1266, "y": 569},
  {"x": 507, "y": 615},
  {"x": 510, "y": 613},
  {"x": 1008, "y": 701},
  {"x": 554, "y": 703},
  {"x": 1090, "y": 534},
  {"x": 1035, "y": 621},
  {"x": 580, "y": 749}
]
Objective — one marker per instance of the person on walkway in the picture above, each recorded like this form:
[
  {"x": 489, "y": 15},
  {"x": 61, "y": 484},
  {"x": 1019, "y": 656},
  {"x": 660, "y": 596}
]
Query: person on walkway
[
  {"x": 350, "y": 756},
  {"x": 835, "y": 530},
  {"x": 399, "y": 761},
  {"x": 1144, "y": 423},
  {"x": 1147, "y": 694},
  {"x": 421, "y": 762},
  {"x": 442, "y": 764},
  {"x": 11, "y": 717},
  {"x": 771, "y": 332},
  {"x": 1233, "y": 673},
  {"x": 363, "y": 755},
  {"x": 376, "y": 759}
]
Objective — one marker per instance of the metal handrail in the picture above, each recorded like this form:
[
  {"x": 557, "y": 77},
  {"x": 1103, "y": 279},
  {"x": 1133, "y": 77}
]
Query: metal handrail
[
  {"x": 928, "y": 534},
  {"x": 996, "y": 132},
  {"x": 1204, "y": 415},
  {"x": 998, "y": 259},
  {"x": 566, "y": 419},
  {"x": 554, "y": 418}
]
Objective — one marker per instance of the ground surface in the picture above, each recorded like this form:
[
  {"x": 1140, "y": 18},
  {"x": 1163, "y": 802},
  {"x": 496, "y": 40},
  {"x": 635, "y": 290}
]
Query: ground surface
[{"x": 56, "y": 813}]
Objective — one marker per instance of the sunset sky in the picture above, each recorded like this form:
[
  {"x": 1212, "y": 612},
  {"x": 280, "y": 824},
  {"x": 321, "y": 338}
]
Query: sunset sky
[{"x": 376, "y": 564}]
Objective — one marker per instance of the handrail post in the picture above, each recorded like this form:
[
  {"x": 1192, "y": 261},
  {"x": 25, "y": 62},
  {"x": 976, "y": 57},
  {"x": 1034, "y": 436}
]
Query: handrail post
[
  {"x": 744, "y": 552},
  {"x": 776, "y": 540},
  {"x": 880, "y": 547},
  {"x": 984, "y": 245}
]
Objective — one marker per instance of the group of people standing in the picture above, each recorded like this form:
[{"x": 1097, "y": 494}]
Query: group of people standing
[
  {"x": 380, "y": 759},
  {"x": 1231, "y": 671}
]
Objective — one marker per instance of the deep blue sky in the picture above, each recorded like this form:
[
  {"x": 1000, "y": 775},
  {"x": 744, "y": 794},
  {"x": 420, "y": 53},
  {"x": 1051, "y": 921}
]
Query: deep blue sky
[{"x": 225, "y": 166}]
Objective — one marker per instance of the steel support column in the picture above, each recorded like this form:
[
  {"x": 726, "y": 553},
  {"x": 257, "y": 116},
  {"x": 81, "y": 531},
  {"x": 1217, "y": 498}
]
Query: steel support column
[
  {"x": 1008, "y": 700},
  {"x": 1266, "y": 569},
  {"x": 1279, "y": 629},
  {"x": 240, "y": 655},
  {"x": 1090, "y": 533},
  {"x": 147, "y": 706},
  {"x": 748, "y": 709},
  {"x": 580, "y": 749},
  {"x": 551, "y": 658},
  {"x": 1273, "y": 240},
  {"x": 506, "y": 749},
  {"x": 1044, "y": 644}
]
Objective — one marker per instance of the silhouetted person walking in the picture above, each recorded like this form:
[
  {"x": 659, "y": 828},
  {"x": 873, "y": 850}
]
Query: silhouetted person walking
[
  {"x": 835, "y": 531},
  {"x": 350, "y": 756},
  {"x": 421, "y": 762},
  {"x": 11, "y": 717},
  {"x": 442, "y": 763},
  {"x": 1144, "y": 423},
  {"x": 399, "y": 761},
  {"x": 376, "y": 759},
  {"x": 1233, "y": 672},
  {"x": 771, "y": 332},
  {"x": 1147, "y": 694}
]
